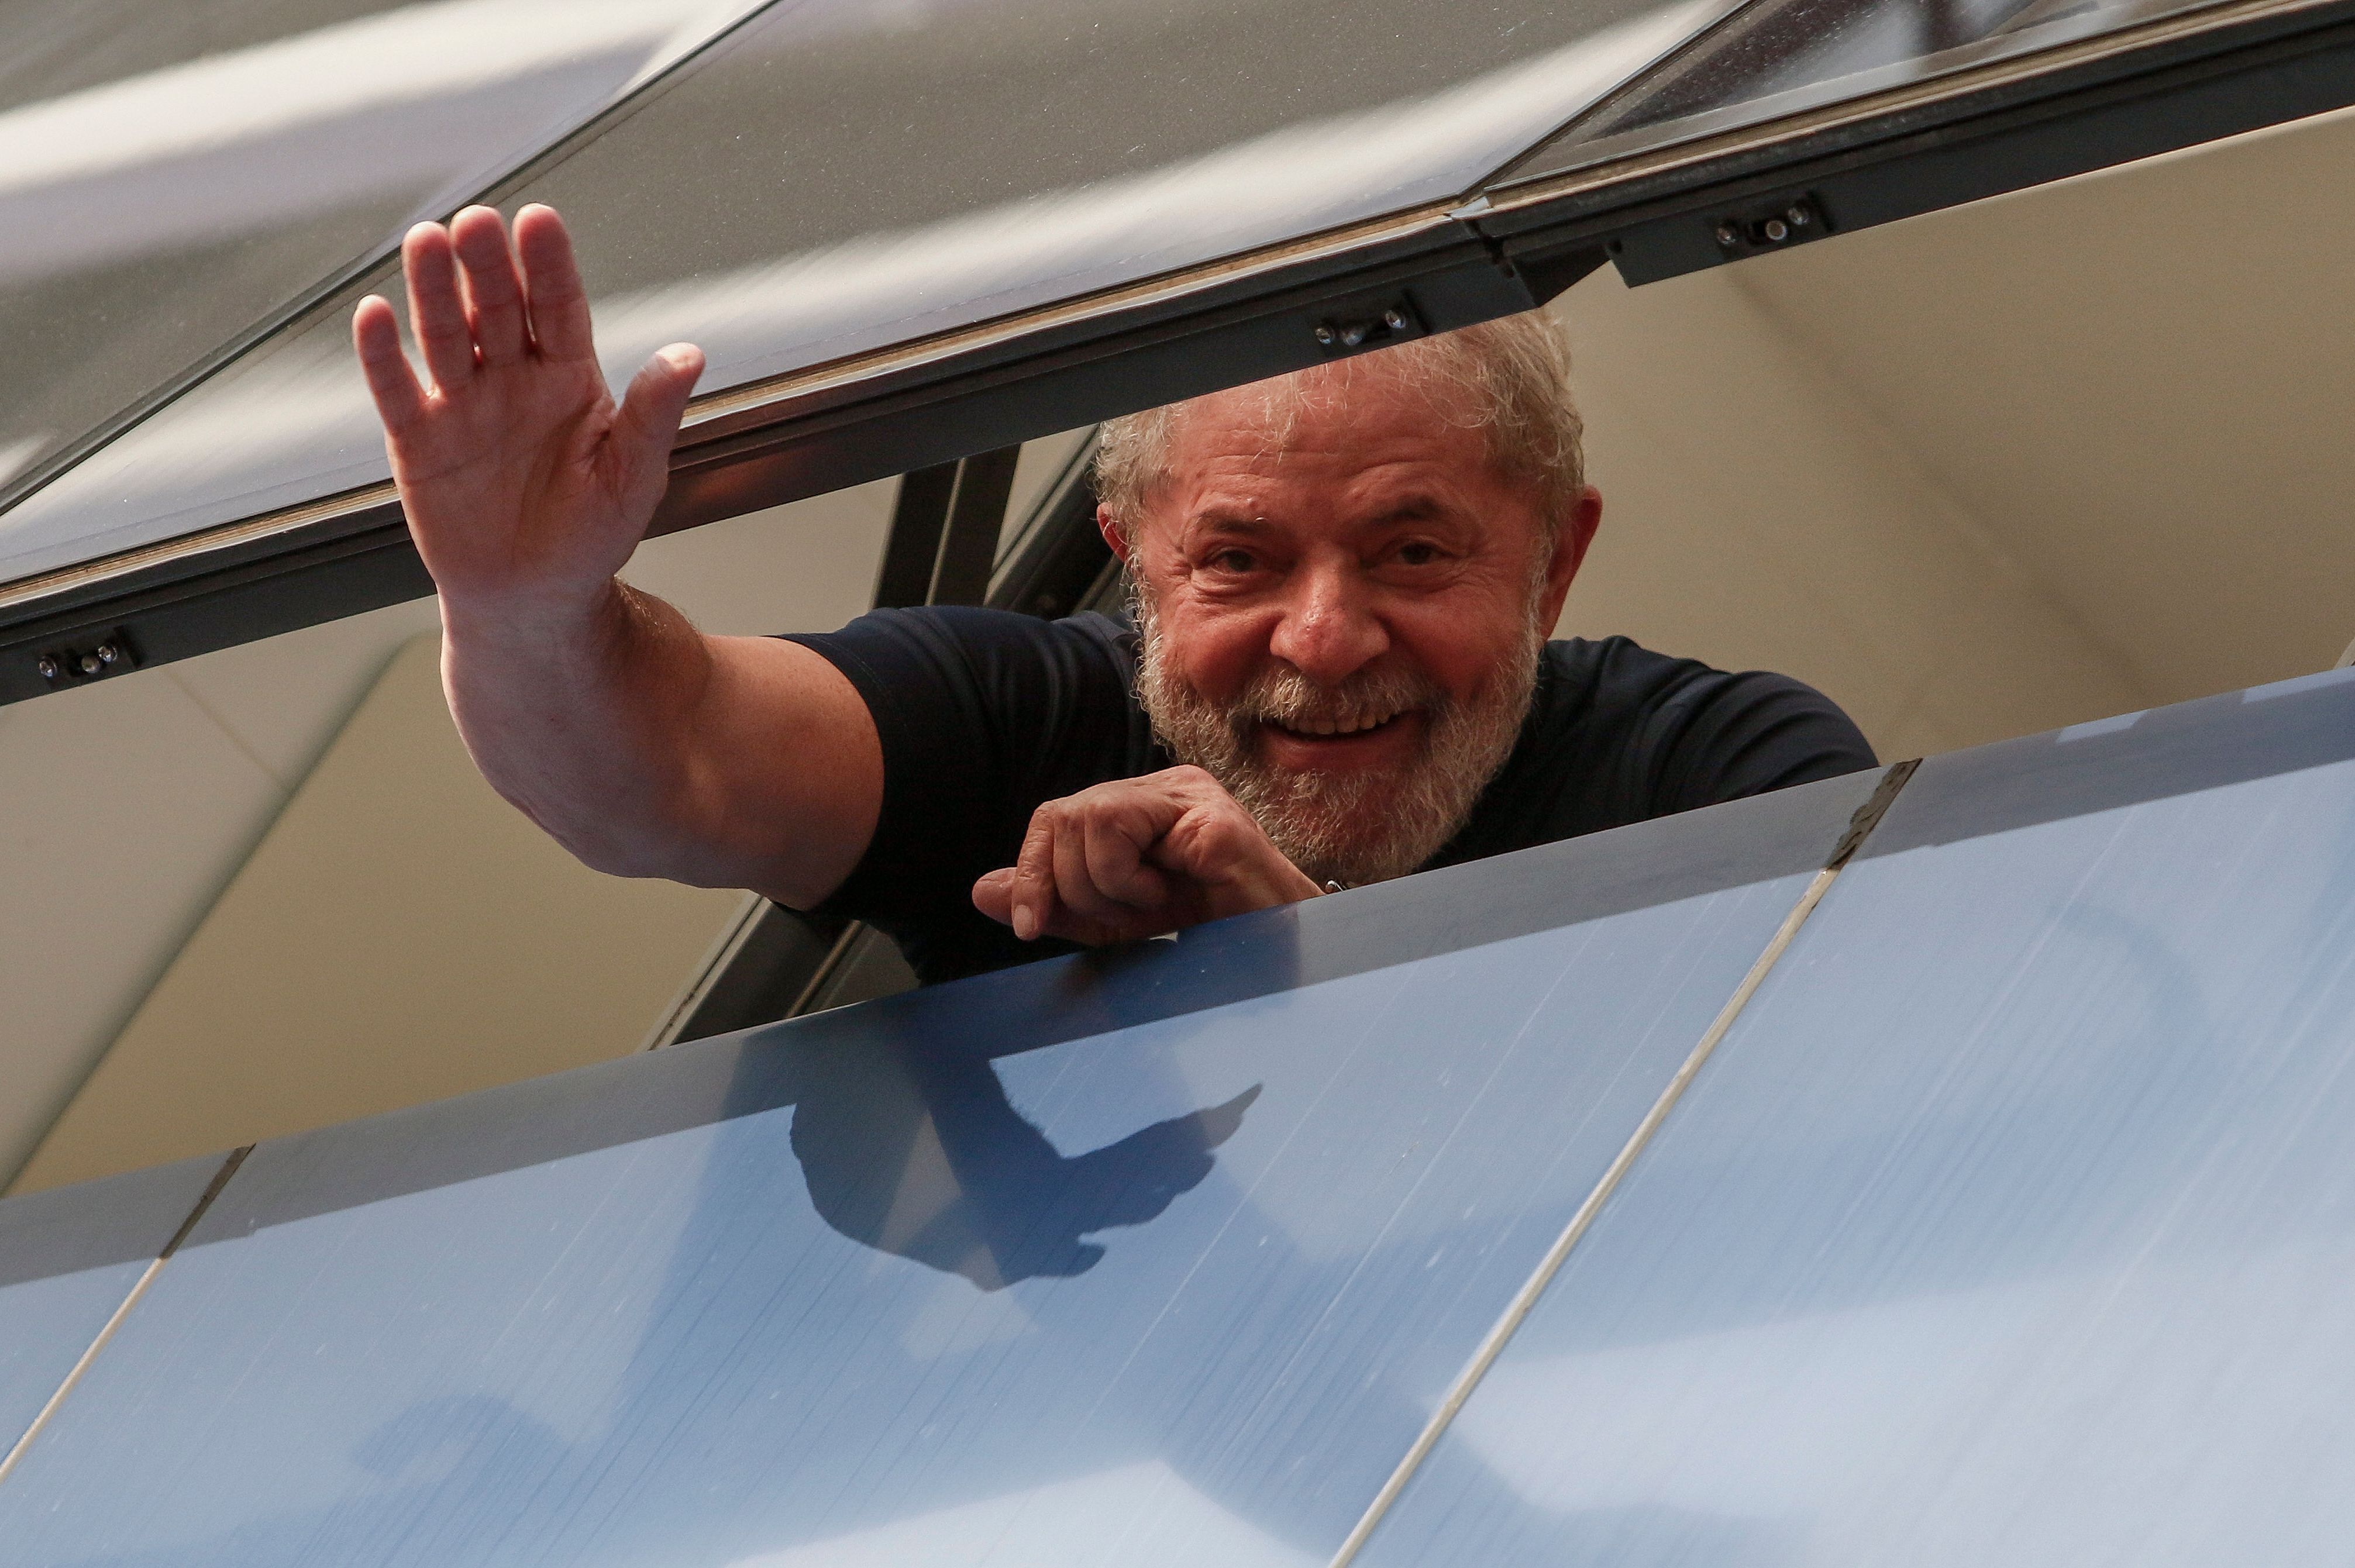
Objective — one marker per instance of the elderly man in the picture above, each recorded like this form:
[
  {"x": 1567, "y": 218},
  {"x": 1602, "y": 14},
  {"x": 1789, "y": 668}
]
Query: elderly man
[{"x": 1338, "y": 671}]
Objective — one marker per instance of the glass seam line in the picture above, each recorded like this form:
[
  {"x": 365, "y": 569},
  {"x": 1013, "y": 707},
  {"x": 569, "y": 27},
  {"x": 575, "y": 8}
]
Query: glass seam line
[
  {"x": 1859, "y": 828},
  {"x": 220, "y": 1179},
  {"x": 1630, "y": 87}
]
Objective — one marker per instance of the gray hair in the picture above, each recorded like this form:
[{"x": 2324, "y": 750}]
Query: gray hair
[{"x": 1509, "y": 378}]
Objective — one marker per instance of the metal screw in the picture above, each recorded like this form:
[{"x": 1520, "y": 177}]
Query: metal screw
[
  {"x": 1355, "y": 334},
  {"x": 1728, "y": 236},
  {"x": 1777, "y": 230},
  {"x": 49, "y": 668},
  {"x": 88, "y": 663},
  {"x": 1394, "y": 320},
  {"x": 1325, "y": 335},
  {"x": 108, "y": 653},
  {"x": 1798, "y": 215}
]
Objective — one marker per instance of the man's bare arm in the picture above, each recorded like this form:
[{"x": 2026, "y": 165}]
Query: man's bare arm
[{"x": 643, "y": 746}]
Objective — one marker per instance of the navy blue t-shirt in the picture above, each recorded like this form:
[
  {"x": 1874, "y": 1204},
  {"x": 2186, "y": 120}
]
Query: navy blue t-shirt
[{"x": 987, "y": 714}]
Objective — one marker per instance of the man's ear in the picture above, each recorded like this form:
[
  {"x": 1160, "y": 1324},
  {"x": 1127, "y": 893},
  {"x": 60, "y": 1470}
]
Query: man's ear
[
  {"x": 1113, "y": 534},
  {"x": 1571, "y": 543}
]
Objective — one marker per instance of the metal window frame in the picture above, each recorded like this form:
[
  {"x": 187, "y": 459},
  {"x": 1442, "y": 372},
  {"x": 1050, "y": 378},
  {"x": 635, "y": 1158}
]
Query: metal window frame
[{"x": 1980, "y": 131}]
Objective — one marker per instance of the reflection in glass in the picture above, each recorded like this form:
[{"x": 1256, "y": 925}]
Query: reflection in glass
[
  {"x": 2013, "y": 1222},
  {"x": 1781, "y": 57},
  {"x": 835, "y": 178},
  {"x": 979, "y": 1190},
  {"x": 899, "y": 1284},
  {"x": 172, "y": 177}
]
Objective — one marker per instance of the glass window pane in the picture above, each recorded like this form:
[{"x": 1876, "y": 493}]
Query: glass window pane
[
  {"x": 1165, "y": 1261},
  {"x": 174, "y": 177},
  {"x": 2011, "y": 1222},
  {"x": 68, "y": 1260},
  {"x": 1779, "y": 57},
  {"x": 834, "y": 178}
]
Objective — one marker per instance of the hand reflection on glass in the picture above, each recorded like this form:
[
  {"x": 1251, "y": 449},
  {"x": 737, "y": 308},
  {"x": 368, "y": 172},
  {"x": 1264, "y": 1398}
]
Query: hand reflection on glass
[{"x": 922, "y": 1155}]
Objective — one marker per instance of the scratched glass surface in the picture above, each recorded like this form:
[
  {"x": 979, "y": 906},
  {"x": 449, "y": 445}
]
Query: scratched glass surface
[
  {"x": 172, "y": 177},
  {"x": 2014, "y": 1221},
  {"x": 1165, "y": 1260},
  {"x": 836, "y": 177},
  {"x": 1769, "y": 61},
  {"x": 68, "y": 1259}
]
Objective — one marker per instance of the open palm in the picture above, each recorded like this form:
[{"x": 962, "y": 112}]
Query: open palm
[{"x": 525, "y": 485}]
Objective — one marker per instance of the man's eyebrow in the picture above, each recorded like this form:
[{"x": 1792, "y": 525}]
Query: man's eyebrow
[
  {"x": 1413, "y": 509},
  {"x": 1430, "y": 510},
  {"x": 1229, "y": 522}
]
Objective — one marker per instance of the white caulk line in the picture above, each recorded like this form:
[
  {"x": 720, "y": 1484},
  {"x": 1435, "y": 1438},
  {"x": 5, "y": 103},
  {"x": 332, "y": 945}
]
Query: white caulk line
[
  {"x": 147, "y": 1277},
  {"x": 1860, "y": 826}
]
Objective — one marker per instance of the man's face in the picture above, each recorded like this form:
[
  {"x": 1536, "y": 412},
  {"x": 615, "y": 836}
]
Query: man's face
[{"x": 1343, "y": 603}]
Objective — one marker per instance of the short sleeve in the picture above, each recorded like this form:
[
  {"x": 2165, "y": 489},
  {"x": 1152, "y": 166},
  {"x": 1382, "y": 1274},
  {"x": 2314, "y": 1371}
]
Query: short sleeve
[
  {"x": 981, "y": 715},
  {"x": 1726, "y": 736}
]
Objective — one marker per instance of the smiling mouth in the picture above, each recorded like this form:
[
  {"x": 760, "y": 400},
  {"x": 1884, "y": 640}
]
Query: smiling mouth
[{"x": 1327, "y": 730}]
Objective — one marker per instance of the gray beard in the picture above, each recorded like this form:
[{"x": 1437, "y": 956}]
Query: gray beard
[{"x": 1350, "y": 827}]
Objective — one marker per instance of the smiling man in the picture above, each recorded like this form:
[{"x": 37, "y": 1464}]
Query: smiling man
[{"x": 1336, "y": 669}]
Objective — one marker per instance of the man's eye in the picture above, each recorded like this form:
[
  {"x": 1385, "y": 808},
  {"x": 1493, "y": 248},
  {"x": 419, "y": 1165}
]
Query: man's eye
[
  {"x": 1418, "y": 554},
  {"x": 1233, "y": 561}
]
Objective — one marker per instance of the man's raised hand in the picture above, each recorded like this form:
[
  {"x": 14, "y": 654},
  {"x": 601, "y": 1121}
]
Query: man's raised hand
[
  {"x": 1135, "y": 858},
  {"x": 525, "y": 485}
]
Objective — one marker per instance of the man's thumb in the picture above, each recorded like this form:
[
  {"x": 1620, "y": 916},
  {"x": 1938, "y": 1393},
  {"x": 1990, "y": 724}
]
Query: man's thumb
[
  {"x": 652, "y": 407},
  {"x": 993, "y": 895}
]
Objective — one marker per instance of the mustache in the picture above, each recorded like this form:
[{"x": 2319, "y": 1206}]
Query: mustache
[{"x": 1361, "y": 699}]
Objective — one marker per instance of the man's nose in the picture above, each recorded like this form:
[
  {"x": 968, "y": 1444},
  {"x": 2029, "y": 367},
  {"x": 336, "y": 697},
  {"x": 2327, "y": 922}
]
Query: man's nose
[{"x": 1328, "y": 631}]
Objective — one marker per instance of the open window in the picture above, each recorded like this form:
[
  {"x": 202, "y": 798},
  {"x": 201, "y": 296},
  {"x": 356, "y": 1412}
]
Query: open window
[{"x": 2013, "y": 463}]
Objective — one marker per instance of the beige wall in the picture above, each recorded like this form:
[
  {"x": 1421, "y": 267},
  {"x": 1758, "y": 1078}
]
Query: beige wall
[
  {"x": 2068, "y": 453},
  {"x": 124, "y": 808},
  {"x": 400, "y": 934},
  {"x": 1757, "y": 514},
  {"x": 2141, "y": 382},
  {"x": 132, "y": 804}
]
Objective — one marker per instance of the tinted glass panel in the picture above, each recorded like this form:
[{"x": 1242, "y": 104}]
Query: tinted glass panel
[
  {"x": 68, "y": 1258},
  {"x": 838, "y": 178},
  {"x": 1783, "y": 56},
  {"x": 2015, "y": 1219},
  {"x": 1164, "y": 1259},
  {"x": 172, "y": 177}
]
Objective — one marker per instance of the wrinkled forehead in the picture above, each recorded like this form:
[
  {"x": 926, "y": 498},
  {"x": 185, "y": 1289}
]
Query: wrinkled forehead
[{"x": 1361, "y": 399}]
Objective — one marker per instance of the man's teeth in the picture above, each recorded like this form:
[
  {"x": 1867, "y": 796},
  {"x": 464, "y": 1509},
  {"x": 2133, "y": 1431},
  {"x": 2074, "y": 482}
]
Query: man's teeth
[{"x": 1305, "y": 726}]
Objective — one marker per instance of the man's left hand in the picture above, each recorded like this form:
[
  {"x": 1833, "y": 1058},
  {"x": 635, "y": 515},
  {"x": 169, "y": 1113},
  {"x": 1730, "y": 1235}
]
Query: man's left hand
[{"x": 1135, "y": 858}]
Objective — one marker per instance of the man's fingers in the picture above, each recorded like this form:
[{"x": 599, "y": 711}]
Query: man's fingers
[
  {"x": 1033, "y": 886},
  {"x": 1116, "y": 864},
  {"x": 436, "y": 315},
  {"x": 552, "y": 282},
  {"x": 392, "y": 380},
  {"x": 493, "y": 290},
  {"x": 993, "y": 895},
  {"x": 647, "y": 427},
  {"x": 1129, "y": 858},
  {"x": 1075, "y": 888}
]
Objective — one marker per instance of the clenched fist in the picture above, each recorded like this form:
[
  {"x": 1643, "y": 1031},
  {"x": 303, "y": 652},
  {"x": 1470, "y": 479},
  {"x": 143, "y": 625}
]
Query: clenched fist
[{"x": 1135, "y": 858}]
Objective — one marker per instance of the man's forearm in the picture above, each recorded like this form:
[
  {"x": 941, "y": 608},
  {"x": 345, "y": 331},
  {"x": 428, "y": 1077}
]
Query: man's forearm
[
  {"x": 584, "y": 716},
  {"x": 644, "y": 747}
]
